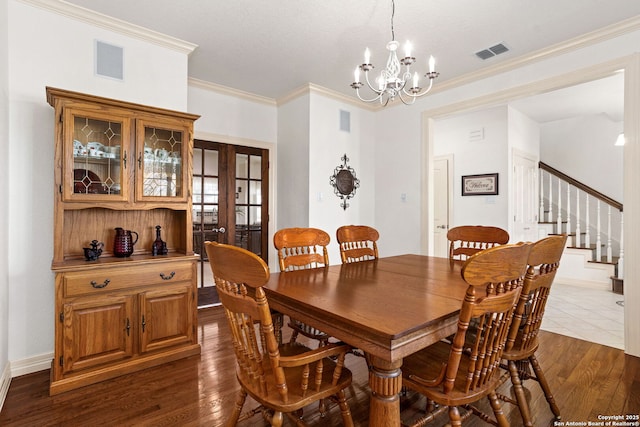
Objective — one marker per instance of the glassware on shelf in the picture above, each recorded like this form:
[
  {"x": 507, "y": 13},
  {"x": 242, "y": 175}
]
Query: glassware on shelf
[{"x": 159, "y": 246}]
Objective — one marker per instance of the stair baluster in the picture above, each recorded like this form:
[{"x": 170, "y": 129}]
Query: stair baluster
[
  {"x": 550, "y": 218},
  {"x": 598, "y": 241},
  {"x": 541, "y": 209},
  {"x": 578, "y": 236},
  {"x": 569, "y": 211},
  {"x": 587, "y": 236},
  {"x": 609, "y": 251},
  {"x": 559, "y": 228},
  {"x": 620, "y": 269}
]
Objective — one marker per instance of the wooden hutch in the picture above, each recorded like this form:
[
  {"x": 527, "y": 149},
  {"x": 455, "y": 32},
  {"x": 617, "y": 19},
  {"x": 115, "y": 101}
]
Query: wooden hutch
[{"x": 119, "y": 164}]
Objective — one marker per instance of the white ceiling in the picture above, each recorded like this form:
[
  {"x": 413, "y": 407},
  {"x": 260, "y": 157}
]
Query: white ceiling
[{"x": 272, "y": 48}]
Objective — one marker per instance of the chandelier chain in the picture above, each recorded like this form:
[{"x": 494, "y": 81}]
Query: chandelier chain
[{"x": 393, "y": 13}]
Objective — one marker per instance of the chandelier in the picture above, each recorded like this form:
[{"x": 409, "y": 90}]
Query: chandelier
[{"x": 392, "y": 82}]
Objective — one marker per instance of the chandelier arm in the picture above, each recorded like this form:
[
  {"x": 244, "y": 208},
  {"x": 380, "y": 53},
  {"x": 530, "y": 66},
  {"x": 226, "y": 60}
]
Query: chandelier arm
[
  {"x": 404, "y": 101},
  {"x": 366, "y": 78},
  {"x": 368, "y": 100},
  {"x": 421, "y": 93}
]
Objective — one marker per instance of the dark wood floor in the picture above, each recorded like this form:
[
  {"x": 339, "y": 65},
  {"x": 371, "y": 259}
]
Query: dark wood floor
[{"x": 588, "y": 380}]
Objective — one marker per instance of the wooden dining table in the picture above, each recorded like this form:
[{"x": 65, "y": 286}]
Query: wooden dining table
[{"x": 389, "y": 308}]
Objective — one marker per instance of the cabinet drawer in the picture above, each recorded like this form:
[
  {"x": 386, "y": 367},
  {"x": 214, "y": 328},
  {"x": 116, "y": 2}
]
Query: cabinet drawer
[{"x": 115, "y": 279}]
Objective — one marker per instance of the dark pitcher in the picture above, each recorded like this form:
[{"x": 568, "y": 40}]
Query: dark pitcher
[{"x": 123, "y": 243}]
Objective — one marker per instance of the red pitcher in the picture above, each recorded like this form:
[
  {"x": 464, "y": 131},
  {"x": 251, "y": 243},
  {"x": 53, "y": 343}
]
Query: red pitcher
[{"x": 123, "y": 243}]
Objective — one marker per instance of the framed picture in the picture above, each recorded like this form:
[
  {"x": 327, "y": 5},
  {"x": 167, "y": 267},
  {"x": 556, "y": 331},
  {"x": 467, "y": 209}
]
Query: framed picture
[{"x": 480, "y": 185}]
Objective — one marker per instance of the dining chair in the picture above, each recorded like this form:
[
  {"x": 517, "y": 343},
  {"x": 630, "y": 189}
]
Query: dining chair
[
  {"x": 302, "y": 248},
  {"x": 466, "y": 240},
  {"x": 455, "y": 375},
  {"x": 544, "y": 260},
  {"x": 281, "y": 378},
  {"x": 357, "y": 243}
]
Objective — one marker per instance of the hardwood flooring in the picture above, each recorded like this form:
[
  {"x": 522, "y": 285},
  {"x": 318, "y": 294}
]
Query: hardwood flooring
[{"x": 588, "y": 380}]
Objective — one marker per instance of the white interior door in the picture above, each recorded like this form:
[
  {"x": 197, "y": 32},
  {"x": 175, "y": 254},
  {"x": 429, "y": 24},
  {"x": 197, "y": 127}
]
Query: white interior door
[
  {"x": 443, "y": 189},
  {"x": 524, "y": 198}
]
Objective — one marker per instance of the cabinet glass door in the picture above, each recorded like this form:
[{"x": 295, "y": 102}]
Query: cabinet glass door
[
  {"x": 95, "y": 154},
  {"x": 162, "y": 162}
]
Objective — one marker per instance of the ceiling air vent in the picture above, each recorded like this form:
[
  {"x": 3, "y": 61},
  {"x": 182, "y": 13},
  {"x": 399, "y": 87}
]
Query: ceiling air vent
[{"x": 492, "y": 51}]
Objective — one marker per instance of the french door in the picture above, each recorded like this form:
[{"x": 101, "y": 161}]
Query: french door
[{"x": 230, "y": 204}]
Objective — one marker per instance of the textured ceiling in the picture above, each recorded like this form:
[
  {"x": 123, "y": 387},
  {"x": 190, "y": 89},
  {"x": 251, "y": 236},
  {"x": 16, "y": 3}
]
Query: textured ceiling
[{"x": 272, "y": 48}]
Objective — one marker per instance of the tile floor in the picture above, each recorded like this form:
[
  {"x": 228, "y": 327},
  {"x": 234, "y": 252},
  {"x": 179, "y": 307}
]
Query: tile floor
[{"x": 590, "y": 314}]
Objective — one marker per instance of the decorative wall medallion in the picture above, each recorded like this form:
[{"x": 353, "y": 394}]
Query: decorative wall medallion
[{"x": 344, "y": 182}]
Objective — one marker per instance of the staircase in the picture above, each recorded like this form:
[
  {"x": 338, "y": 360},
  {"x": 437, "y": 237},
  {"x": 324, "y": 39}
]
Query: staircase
[{"x": 594, "y": 222}]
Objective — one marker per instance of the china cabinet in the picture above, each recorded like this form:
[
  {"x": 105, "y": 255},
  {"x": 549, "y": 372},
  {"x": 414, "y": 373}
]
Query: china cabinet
[{"x": 120, "y": 166}]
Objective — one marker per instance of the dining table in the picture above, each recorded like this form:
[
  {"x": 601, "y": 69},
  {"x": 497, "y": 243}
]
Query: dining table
[{"x": 388, "y": 308}]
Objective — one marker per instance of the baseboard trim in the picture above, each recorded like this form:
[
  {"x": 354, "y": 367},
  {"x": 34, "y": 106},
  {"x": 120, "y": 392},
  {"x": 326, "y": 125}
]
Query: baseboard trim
[
  {"x": 31, "y": 365},
  {"x": 5, "y": 382}
]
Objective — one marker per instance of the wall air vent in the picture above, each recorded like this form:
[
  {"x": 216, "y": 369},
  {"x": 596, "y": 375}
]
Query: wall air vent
[
  {"x": 492, "y": 51},
  {"x": 109, "y": 60}
]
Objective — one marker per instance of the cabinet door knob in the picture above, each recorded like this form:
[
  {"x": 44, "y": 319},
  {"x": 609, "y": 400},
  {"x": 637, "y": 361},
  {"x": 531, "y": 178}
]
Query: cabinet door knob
[
  {"x": 100, "y": 285},
  {"x": 169, "y": 277}
]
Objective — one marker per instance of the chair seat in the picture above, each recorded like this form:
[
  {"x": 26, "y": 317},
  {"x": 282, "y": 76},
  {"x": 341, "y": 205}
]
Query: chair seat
[
  {"x": 516, "y": 353},
  {"x": 294, "y": 376},
  {"x": 421, "y": 365}
]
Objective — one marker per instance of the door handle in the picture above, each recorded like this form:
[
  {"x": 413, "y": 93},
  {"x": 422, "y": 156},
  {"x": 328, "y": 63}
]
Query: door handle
[{"x": 444, "y": 227}]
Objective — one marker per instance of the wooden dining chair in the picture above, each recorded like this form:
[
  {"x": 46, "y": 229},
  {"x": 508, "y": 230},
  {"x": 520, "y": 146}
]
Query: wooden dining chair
[
  {"x": 544, "y": 260},
  {"x": 457, "y": 374},
  {"x": 357, "y": 243},
  {"x": 281, "y": 378},
  {"x": 467, "y": 240},
  {"x": 301, "y": 248}
]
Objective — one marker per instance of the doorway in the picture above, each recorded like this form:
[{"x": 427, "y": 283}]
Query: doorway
[
  {"x": 230, "y": 204},
  {"x": 630, "y": 66},
  {"x": 442, "y": 195}
]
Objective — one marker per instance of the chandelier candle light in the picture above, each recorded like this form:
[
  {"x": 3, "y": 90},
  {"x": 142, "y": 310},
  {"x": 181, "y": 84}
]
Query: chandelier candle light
[{"x": 390, "y": 83}]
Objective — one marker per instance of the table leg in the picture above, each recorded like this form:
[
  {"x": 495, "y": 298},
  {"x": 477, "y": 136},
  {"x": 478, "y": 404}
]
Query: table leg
[{"x": 385, "y": 382}]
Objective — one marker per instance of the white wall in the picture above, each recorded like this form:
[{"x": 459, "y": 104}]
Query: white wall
[
  {"x": 582, "y": 147},
  {"x": 293, "y": 163},
  {"x": 59, "y": 54},
  {"x": 327, "y": 145},
  {"x": 232, "y": 116},
  {"x": 4, "y": 208},
  {"x": 479, "y": 145},
  {"x": 397, "y": 173}
]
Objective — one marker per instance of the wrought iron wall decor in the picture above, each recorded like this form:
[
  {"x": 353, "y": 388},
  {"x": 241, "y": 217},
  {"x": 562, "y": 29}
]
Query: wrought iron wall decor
[{"x": 344, "y": 182}]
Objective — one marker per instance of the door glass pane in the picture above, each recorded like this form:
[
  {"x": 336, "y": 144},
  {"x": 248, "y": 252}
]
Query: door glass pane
[
  {"x": 96, "y": 156},
  {"x": 162, "y": 162},
  {"x": 241, "y": 192},
  {"x": 210, "y": 190},
  {"x": 197, "y": 161},
  {"x": 242, "y": 166},
  {"x": 255, "y": 192},
  {"x": 210, "y": 162},
  {"x": 255, "y": 167}
]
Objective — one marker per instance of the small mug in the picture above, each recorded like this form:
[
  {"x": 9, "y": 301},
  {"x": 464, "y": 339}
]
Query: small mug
[{"x": 161, "y": 154}]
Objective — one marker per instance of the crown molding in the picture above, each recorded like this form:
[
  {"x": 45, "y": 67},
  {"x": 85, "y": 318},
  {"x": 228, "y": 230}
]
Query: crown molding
[
  {"x": 88, "y": 16},
  {"x": 327, "y": 93},
  {"x": 225, "y": 90}
]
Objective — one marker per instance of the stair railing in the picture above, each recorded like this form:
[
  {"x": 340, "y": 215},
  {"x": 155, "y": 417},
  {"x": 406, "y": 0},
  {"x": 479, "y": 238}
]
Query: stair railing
[{"x": 558, "y": 211}]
